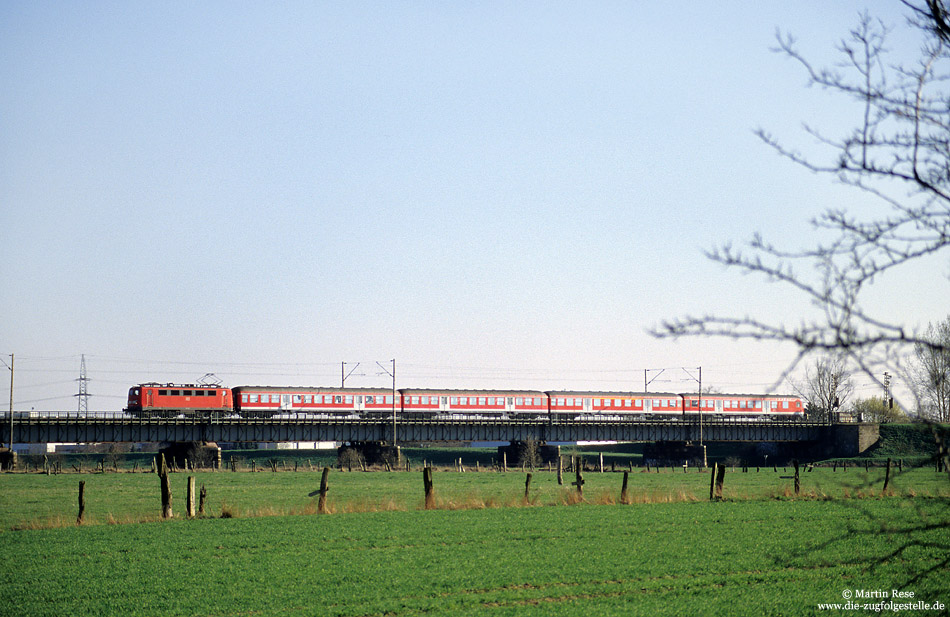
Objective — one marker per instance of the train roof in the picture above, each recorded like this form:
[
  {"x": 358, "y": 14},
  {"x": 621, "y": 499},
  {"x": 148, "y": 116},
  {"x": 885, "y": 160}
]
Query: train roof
[
  {"x": 155, "y": 384},
  {"x": 612, "y": 393},
  {"x": 451, "y": 392},
  {"x": 733, "y": 394},
  {"x": 321, "y": 389}
]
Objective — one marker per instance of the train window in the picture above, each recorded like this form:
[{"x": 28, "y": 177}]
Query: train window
[
  {"x": 785, "y": 404},
  {"x": 519, "y": 400},
  {"x": 163, "y": 392},
  {"x": 463, "y": 400},
  {"x": 453, "y": 400},
  {"x": 481, "y": 400},
  {"x": 537, "y": 400},
  {"x": 349, "y": 399},
  {"x": 656, "y": 402},
  {"x": 389, "y": 399},
  {"x": 638, "y": 403},
  {"x": 174, "y": 392}
]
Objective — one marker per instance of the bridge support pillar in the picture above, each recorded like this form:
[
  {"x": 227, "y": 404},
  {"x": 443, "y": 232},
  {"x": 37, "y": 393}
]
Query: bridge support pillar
[
  {"x": 195, "y": 453},
  {"x": 370, "y": 452},
  {"x": 852, "y": 439},
  {"x": 674, "y": 453},
  {"x": 529, "y": 452},
  {"x": 7, "y": 459}
]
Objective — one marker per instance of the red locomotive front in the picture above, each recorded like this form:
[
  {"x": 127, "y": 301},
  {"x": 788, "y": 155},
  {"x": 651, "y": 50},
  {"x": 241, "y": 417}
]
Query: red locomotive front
[{"x": 154, "y": 400}]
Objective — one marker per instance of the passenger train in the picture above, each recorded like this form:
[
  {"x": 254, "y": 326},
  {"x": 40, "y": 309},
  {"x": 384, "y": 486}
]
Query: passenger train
[{"x": 154, "y": 400}]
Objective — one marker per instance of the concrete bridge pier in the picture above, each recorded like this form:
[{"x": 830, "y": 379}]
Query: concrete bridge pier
[
  {"x": 674, "y": 453},
  {"x": 370, "y": 452},
  {"x": 195, "y": 453},
  {"x": 7, "y": 459},
  {"x": 518, "y": 452},
  {"x": 852, "y": 439}
]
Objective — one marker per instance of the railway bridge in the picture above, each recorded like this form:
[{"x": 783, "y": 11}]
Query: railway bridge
[{"x": 842, "y": 439}]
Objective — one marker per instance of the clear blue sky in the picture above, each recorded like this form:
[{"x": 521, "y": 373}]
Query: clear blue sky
[{"x": 495, "y": 194}]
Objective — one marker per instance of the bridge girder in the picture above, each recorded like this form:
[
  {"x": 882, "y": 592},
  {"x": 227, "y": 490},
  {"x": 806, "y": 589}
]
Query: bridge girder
[{"x": 224, "y": 430}]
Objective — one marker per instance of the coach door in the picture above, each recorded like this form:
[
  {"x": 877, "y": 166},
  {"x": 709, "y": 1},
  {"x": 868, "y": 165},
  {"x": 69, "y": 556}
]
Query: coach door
[{"x": 285, "y": 402}]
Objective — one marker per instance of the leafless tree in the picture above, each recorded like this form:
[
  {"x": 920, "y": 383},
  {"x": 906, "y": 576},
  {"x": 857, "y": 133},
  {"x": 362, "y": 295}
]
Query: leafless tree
[
  {"x": 827, "y": 386},
  {"x": 898, "y": 154},
  {"x": 933, "y": 373}
]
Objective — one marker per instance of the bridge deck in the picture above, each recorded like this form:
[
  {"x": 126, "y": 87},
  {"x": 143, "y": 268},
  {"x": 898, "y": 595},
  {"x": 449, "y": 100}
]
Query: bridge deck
[{"x": 124, "y": 429}]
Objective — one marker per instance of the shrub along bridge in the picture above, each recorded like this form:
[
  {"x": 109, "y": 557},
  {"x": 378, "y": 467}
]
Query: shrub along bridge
[{"x": 844, "y": 439}]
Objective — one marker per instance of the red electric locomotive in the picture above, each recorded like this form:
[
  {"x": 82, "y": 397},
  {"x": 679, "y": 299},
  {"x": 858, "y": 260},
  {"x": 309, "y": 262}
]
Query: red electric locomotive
[{"x": 154, "y": 400}]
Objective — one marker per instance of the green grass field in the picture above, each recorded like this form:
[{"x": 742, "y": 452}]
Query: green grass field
[
  {"x": 38, "y": 500},
  {"x": 379, "y": 553}
]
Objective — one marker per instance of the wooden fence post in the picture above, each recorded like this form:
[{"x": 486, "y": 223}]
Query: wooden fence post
[
  {"x": 579, "y": 482},
  {"x": 623, "y": 489},
  {"x": 527, "y": 489},
  {"x": 324, "y": 487},
  {"x": 166, "y": 496},
  {"x": 190, "y": 497},
  {"x": 712, "y": 481},
  {"x": 601, "y": 464},
  {"x": 504, "y": 461},
  {"x": 798, "y": 484},
  {"x": 429, "y": 489},
  {"x": 82, "y": 502},
  {"x": 887, "y": 476},
  {"x": 202, "y": 496},
  {"x": 162, "y": 470},
  {"x": 720, "y": 479},
  {"x": 560, "y": 477}
]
